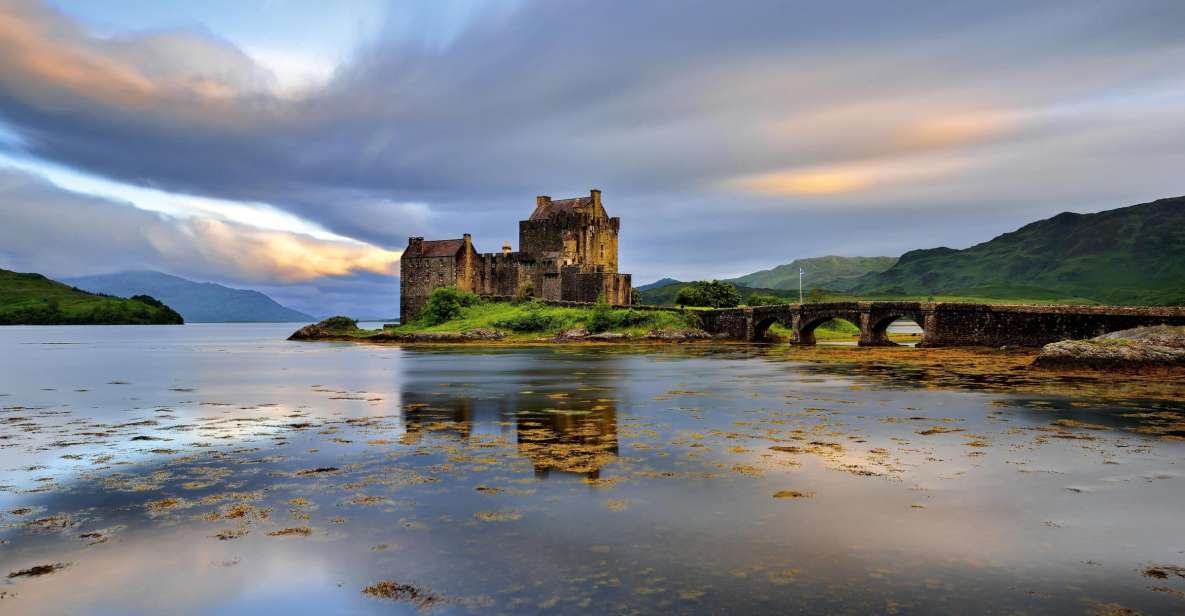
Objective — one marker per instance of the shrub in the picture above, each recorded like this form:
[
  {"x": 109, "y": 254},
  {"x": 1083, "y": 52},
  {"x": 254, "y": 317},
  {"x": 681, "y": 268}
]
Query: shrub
[
  {"x": 605, "y": 318},
  {"x": 601, "y": 318},
  {"x": 711, "y": 293},
  {"x": 445, "y": 304},
  {"x": 339, "y": 323},
  {"x": 530, "y": 321}
]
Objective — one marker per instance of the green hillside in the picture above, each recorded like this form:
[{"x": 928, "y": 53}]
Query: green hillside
[
  {"x": 831, "y": 272},
  {"x": 1131, "y": 255},
  {"x": 33, "y": 299}
]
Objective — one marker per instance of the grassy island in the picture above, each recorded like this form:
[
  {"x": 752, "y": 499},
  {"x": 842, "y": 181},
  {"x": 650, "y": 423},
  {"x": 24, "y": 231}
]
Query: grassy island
[
  {"x": 451, "y": 315},
  {"x": 455, "y": 316},
  {"x": 33, "y": 299}
]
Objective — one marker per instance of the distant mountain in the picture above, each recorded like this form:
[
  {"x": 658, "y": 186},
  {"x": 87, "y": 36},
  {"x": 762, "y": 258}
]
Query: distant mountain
[
  {"x": 1130, "y": 255},
  {"x": 33, "y": 299},
  {"x": 198, "y": 302},
  {"x": 657, "y": 284},
  {"x": 831, "y": 273}
]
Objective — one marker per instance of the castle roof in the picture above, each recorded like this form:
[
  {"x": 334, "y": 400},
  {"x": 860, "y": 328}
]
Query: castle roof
[
  {"x": 549, "y": 209},
  {"x": 441, "y": 248}
]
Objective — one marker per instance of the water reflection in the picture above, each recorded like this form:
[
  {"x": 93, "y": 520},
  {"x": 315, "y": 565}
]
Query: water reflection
[
  {"x": 578, "y": 480},
  {"x": 571, "y": 431},
  {"x": 576, "y": 443}
]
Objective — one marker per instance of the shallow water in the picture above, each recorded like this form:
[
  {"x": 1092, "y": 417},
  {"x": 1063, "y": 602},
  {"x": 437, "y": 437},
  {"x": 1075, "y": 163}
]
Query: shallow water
[{"x": 220, "y": 469}]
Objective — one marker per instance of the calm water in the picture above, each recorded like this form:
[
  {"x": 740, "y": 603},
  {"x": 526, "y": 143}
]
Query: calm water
[{"x": 219, "y": 469}]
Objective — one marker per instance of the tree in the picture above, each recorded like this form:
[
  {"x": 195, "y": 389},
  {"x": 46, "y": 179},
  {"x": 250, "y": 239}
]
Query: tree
[
  {"x": 816, "y": 295},
  {"x": 711, "y": 293}
]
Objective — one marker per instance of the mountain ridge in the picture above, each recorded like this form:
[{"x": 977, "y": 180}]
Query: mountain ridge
[
  {"x": 1128, "y": 255},
  {"x": 198, "y": 302},
  {"x": 830, "y": 272}
]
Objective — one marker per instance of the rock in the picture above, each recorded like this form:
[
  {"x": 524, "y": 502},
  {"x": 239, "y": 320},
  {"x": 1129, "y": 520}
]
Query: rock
[
  {"x": 608, "y": 336},
  {"x": 484, "y": 333},
  {"x": 678, "y": 335},
  {"x": 466, "y": 336},
  {"x": 573, "y": 334},
  {"x": 331, "y": 328},
  {"x": 1139, "y": 349}
]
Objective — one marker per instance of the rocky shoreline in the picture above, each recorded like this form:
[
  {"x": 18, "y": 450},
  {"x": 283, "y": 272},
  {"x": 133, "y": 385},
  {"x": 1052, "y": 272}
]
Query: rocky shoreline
[
  {"x": 1143, "y": 349},
  {"x": 341, "y": 331}
]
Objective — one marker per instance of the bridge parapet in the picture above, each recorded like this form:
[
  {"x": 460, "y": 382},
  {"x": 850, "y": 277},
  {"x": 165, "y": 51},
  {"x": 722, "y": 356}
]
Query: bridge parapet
[{"x": 943, "y": 324}]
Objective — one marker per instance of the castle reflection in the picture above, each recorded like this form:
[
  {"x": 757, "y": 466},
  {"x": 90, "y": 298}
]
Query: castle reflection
[
  {"x": 573, "y": 433},
  {"x": 579, "y": 443}
]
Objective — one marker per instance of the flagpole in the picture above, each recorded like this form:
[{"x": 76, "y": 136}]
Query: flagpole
[{"x": 801, "y": 273}]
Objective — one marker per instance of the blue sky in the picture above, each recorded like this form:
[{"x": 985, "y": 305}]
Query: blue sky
[{"x": 292, "y": 147}]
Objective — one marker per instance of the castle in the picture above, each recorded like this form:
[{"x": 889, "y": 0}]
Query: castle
[{"x": 567, "y": 251}]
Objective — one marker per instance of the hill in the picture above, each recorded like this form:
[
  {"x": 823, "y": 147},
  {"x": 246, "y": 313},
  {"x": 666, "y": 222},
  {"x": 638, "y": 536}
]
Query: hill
[
  {"x": 1130, "y": 255},
  {"x": 198, "y": 302},
  {"x": 832, "y": 273},
  {"x": 33, "y": 299},
  {"x": 657, "y": 284}
]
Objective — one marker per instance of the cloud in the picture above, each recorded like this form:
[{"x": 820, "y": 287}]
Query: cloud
[
  {"x": 61, "y": 233},
  {"x": 696, "y": 118}
]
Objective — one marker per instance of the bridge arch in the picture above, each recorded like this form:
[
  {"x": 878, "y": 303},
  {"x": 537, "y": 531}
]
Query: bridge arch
[
  {"x": 876, "y": 332},
  {"x": 811, "y": 318},
  {"x": 806, "y": 333},
  {"x": 761, "y": 328}
]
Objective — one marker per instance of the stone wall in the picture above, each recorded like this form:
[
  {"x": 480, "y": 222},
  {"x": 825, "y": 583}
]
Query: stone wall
[
  {"x": 581, "y": 286},
  {"x": 572, "y": 239},
  {"x": 508, "y": 274},
  {"x": 417, "y": 278},
  {"x": 569, "y": 304},
  {"x": 978, "y": 324}
]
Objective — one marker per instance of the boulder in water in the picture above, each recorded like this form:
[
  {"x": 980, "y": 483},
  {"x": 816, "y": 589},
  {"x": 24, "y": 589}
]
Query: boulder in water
[{"x": 1154, "y": 348}]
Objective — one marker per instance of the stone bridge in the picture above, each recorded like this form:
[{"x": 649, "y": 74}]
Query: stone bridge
[{"x": 943, "y": 324}]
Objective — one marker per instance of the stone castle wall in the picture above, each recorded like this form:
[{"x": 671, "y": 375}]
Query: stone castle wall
[
  {"x": 417, "y": 279},
  {"x": 572, "y": 239},
  {"x": 580, "y": 286}
]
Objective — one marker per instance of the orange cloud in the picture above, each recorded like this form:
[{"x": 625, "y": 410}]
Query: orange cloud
[
  {"x": 956, "y": 129},
  {"x": 284, "y": 256},
  {"x": 850, "y": 178},
  {"x": 46, "y": 56},
  {"x": 807, "y": 182}
]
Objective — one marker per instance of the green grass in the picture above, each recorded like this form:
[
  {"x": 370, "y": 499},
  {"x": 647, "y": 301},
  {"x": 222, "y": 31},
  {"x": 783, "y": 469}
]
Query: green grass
[
  {"x": 555, "y": 319},
  {"x": 33, "y": 299}
]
